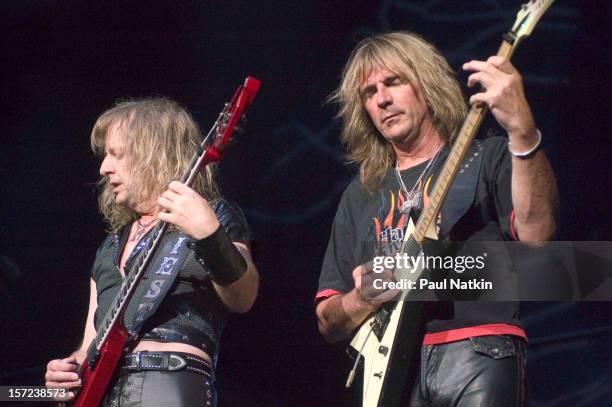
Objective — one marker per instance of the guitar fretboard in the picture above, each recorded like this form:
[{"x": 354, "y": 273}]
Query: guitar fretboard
[{"x": 460, "y": 147}]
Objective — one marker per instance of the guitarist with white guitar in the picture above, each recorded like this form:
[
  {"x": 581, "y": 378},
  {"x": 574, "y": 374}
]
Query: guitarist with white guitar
[
  {"x": 402, "y": 108},
  {"x": 144, "y": 145}
]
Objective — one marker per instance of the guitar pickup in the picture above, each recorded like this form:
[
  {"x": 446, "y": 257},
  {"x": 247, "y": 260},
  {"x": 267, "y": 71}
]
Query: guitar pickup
[{"x": 92, "y": 359}]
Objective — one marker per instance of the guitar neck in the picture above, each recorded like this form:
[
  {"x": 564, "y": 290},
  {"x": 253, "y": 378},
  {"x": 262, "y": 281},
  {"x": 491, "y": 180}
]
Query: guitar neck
[{"x": 460, "y": 148}]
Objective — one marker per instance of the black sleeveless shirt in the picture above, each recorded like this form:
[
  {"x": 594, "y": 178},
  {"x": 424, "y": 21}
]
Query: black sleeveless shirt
[{"x": 191, "y": 312}]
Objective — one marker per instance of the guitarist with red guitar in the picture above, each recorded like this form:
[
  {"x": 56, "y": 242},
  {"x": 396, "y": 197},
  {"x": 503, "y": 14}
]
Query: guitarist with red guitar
[
  {"x": 138, "y": 350},
  {"x": 404, "y": 116}
]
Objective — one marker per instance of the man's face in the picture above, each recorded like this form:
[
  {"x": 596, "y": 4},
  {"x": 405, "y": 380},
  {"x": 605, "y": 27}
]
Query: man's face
[
  {"x": 115, "y": 167},
  {"x": 397, "y": 108}
]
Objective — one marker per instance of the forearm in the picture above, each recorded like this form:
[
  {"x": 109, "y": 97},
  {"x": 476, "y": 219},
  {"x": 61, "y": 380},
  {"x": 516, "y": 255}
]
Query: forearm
[
  {"x": 534, "y": 190},
  {"x": 240, "y": 295},
  {"x": 230, "y": 268},
  {"x": 534, "y": 196},
  {"x": 338, "y": 316},
  {"x": 90, "y": 331}
]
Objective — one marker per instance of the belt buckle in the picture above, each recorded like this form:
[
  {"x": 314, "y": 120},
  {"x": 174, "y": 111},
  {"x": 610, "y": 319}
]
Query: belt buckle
[
  {"x": 180, "y": 359},
  {"x": 138, "y": 365}
]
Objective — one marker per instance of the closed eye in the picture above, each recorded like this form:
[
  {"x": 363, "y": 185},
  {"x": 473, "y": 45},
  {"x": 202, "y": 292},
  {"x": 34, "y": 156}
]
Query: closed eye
[
  {"x": 393, "y": 80},
  {"x": 368, "y": 92},
  {"x": 115, "y": 153}
]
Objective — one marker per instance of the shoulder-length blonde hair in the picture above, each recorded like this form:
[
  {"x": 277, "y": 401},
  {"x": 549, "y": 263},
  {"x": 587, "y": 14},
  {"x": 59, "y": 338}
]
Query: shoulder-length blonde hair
[
  {"x": 161, "y": 138},
  {"x": 414, "y": 60}
]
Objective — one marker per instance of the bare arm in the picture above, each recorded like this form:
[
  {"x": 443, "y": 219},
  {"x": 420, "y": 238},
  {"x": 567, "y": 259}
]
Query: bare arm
[
  {"x": 63, "y": 372},
  {"x": 240, "y": 295},
  {"x": 90, "y": 330},
  {"x": 535, "y": 197},
  {"x": 338, "y": 316},
  {"x": 534, "y": 188}
]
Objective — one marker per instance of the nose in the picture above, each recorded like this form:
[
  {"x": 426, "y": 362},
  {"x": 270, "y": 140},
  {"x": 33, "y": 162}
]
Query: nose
[
  {"x": 383, "y": 96},
  {"x": 106, "y": 167}
]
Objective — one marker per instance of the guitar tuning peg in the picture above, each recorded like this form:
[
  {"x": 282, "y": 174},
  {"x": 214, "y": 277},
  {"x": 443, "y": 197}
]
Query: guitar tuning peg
[{"x": 241, "y": 124}]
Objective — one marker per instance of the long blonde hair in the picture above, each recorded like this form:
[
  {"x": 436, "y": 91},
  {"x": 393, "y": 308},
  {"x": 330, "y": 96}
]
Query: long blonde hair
[
  {"x": 161, "y": 138},
  {"x": 414, "y": 60}
]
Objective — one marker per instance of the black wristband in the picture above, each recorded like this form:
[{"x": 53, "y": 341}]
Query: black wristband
[{"x": 218, "y": 254}]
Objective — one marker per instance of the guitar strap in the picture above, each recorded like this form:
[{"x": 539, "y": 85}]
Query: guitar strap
[
  {"x": 463, "y": 189},
  {"x": 157, "y": 281},
  {"x": 458, "y": 201}
]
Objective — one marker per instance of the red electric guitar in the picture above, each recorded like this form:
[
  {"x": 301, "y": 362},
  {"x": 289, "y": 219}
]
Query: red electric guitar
[{"x": 112, "y": 338}]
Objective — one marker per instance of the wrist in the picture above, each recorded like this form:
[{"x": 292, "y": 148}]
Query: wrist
[
  {"x": 354, "y": 301},
  {"x": 525, "y": 146},
  {"x": 220, "y": 257},
  {"x": 204, "y": 232}
]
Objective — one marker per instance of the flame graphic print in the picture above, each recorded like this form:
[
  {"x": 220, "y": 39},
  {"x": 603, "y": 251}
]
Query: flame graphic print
[{"x": 389, "y": 226}]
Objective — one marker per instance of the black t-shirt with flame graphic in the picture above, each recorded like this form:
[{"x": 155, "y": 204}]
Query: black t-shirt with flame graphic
[{"x": 368, "y": 225}]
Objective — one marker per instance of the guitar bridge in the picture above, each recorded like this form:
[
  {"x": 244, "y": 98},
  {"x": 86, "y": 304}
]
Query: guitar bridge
[{"x": 381, "y": 321}]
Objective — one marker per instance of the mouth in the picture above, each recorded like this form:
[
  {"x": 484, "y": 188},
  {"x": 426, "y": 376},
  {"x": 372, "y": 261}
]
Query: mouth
[{"x": 389, "y": 117}]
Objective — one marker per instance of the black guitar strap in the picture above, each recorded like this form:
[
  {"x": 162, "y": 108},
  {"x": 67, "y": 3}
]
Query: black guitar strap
[
  {"x": 463, "y": 189},
  {"x": 458, "y": 201},
  {"x": 157, "y": 281}
]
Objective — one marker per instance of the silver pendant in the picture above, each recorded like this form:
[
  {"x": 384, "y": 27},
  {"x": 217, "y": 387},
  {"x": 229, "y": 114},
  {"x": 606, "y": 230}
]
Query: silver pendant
[{"x": 413, "y": 198}]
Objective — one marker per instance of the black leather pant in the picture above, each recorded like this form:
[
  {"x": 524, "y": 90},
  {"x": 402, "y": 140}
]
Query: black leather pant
[
  {"x": 157, "y": 389},
  {"x": 480, "y": 371}
]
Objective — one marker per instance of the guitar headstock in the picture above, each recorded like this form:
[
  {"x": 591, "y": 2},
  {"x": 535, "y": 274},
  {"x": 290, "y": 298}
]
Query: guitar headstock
[
  {"x": 230, "y": 119},
  {"x": 527, "y": 18}
]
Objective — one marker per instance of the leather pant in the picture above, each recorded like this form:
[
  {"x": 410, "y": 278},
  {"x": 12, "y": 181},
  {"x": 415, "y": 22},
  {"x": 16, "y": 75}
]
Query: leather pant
[
  {"x": 481, "y": 371},
  {"x": 156, "y": 389}
]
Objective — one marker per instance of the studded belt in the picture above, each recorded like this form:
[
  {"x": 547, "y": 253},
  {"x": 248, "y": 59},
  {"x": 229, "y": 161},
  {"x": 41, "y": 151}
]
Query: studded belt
[{"x": 166, "y": 361}]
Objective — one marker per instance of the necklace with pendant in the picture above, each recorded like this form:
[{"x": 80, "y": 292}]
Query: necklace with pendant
[
  {"x": 413, "y": 197},
  {"x": 141, "y": 229}
]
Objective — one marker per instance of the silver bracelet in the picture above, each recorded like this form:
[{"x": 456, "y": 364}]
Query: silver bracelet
[{"x": 529, "y": 152}]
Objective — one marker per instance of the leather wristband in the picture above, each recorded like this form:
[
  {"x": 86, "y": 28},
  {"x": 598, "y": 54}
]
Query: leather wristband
[{"x": 218, "y": 254}]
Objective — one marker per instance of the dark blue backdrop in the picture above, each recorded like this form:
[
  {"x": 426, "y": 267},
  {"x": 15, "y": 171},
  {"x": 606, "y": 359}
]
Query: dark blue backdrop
[{"x": 66, "y": 61}]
